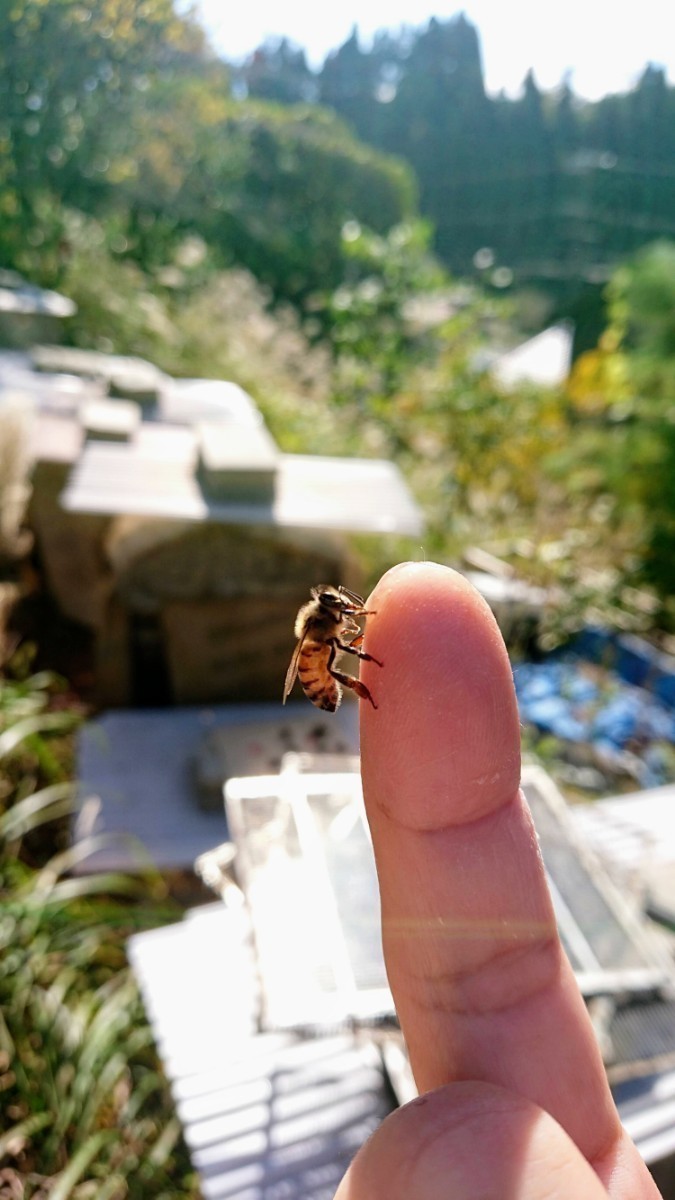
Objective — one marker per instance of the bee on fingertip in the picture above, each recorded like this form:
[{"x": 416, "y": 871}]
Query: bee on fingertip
[{"x": 324, "y": 628}]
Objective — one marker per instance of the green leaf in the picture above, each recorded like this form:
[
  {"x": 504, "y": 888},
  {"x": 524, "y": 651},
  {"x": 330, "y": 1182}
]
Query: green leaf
[
  {"x": 68, "y": 860},
  {"x": 60, "y": 722},
  {"x": 114, "y": 1186},
  {"x": 65, "y": 1182},
  {"x": 92, "y": 885},
  {"x": 45, "y": 805},
  {"x": 20, "y": 1133},
  {"x": 100, "y": 1090},
  {"x": 165, "y": 1143}
]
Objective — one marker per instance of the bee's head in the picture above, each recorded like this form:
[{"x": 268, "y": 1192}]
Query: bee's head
[
  {"x": 328, "y": 596},
  {"x": 340, "y": 599}
]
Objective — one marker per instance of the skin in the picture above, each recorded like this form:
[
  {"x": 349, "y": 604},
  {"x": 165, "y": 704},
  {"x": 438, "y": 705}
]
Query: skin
[{"x": 514, "y": 1102}]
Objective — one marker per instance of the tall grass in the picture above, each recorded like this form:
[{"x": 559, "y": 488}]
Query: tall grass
[{"x": 85, "y": 1110}]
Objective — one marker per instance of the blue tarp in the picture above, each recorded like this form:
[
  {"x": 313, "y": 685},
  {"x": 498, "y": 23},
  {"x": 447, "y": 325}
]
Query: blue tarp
[{"x": 573, "y": 698}]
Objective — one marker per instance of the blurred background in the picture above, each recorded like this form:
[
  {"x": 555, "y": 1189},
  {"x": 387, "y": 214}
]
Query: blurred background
[{"x": 287, "y": 296}]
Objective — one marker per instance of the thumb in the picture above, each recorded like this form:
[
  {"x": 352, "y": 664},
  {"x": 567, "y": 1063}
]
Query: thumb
[{"x": 469, "y": 1140}]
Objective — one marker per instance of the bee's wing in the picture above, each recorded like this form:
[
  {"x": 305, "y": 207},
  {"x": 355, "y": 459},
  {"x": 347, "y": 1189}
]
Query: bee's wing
[{"x": 292, "y": 669}]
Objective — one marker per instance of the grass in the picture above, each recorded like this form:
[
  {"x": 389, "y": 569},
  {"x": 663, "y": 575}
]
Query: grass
[{"x": 86, "y": 1108}]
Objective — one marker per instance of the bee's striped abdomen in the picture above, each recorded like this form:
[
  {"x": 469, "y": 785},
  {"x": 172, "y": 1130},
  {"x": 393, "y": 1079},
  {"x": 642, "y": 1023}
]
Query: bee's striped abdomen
[{"x": 317, "y": 682}]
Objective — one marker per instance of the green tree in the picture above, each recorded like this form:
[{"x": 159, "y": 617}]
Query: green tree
[
  {"x": 185, "y": 168},
  {"x": 72, "y": 76},
  {"x": 558, "y": 188},
  {"x": 347, "y": 82},
  {"x": 301, "y": 176},
  {"x": 625, "y": 390},
  {"x": 278, "y": 71},
  {"x": 381, "y": 318},
  {"x": 643, "y": 304},
  {"x": 528, "y": 174},
  {"x": 122, "y": 112}
]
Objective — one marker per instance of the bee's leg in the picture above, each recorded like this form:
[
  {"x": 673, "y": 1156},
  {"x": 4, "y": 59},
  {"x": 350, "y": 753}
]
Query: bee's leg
[
  {"x": 348, "y": 680},
  {"x": 351, "y": 648},
  {"x": 355, "y": 684},
  {"x": 350, "y": 627}
]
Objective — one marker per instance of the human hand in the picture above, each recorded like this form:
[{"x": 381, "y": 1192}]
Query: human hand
[{"x": 514, "y": 1101}]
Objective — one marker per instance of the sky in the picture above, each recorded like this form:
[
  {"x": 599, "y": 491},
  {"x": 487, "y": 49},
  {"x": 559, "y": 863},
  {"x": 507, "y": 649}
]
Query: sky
[{"x": 603, "y": 43}]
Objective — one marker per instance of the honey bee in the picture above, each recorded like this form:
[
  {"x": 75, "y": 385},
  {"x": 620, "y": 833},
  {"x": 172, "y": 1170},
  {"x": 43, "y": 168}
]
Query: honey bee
[{"x": 323, "y": 628}]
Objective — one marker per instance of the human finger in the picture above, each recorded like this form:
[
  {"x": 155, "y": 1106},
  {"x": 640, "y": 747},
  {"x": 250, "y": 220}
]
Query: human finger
[
  {"x": 482, "y": 987},
  {"x": 468, "y": 1140}
]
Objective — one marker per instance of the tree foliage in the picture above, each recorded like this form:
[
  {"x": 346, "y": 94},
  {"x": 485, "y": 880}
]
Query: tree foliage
[
  {"x": 558, "y": 188},
  {"x": 381, "y": 317},
  {"x": 71, "y": 80},
  {"x": 304, "y": 175},
  {"x": 624, "y": 391},
  {"x": 120, "y": 110},
  {"x": 278, "y": 71}
]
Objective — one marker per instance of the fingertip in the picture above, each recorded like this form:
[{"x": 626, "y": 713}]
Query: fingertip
[
  {"x": 421, "y": 597},
  {"x": 446, "y": 728},
  {"x": 405, "y": 577}
]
